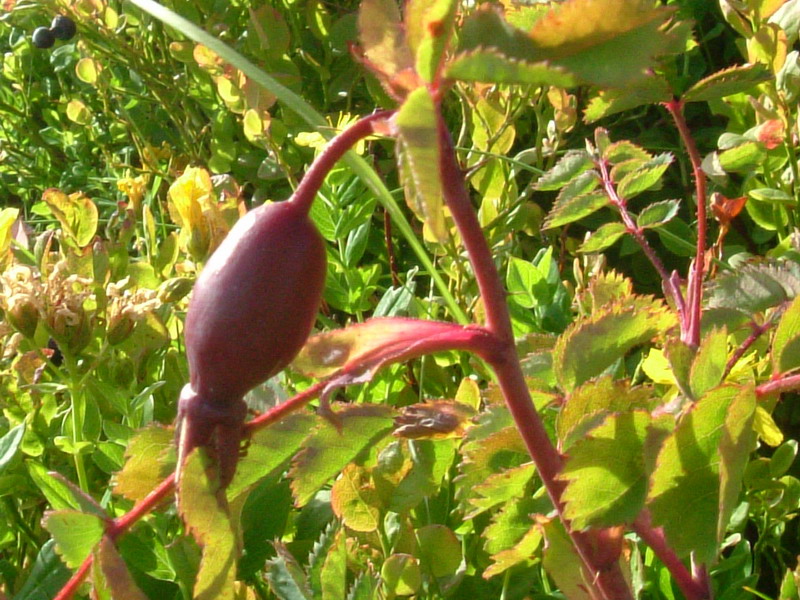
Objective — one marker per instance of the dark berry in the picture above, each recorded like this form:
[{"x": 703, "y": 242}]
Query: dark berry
[
  {"x": 43, "y": 38},
  {"x": 63, "y": 28}
]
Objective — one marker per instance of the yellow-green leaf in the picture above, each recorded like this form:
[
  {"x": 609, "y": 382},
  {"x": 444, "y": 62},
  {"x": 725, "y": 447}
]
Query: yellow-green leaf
[
  {"x": 78, "y": 113},
  {"x": 76, "y": 213}
]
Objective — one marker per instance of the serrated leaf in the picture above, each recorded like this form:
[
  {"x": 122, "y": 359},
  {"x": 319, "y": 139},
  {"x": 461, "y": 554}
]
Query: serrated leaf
[
  {"x": 786, "y": 341},
  {"x": 501, "y": 488},
  {"x": 562, "y": 563},
  {"x": 115, "y": 575},
  {"x": 355, "y": 500},
  {"x": 604, "y": 237},
  {"x": 648, "y": 90},
  {"x": 418, "y": 154},
  {"x": 76, "y": 213},
  {"x": 364, "y": 587},
  {"x": 658, "y": 213},
  {"x": 382, "y": 36},
  {"x": 491, "y": 65},
  {"x": 328, "y": 449},
  {"x": 605, "y": 473},
  {"x": 590, "y": 403},
  {"x": 568, "y": 167},
  {"x": 75, "y": 533},
  {"x": 756, "y": 287},
  {"x": 591, "y": 345},
  {"x": 645, "y": 177},
  {"x": 286, "y": 577},
  {"x": 149, "y": 458},
  {"x": 575, "y": 208},
  {"x": 207, "y": 518},
  {"x": 522, "y": 552},
  {"x": 685, "y": 496},
  {"x": 333, "y": 575},
  {"x": 709, "y": 362},
  {"x": 439, "y": 550},
  {"x": 729, "y": 81},
  {"x": 625, "y": 150},
  {"x": 429, "y": 27},
  {"x": 269, "y": 449},
  {"x": 609, "y": 286}
]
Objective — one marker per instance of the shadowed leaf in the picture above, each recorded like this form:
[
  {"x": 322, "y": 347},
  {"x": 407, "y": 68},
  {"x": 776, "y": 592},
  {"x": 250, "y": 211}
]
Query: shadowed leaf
[
  {"x": 149, "y": 458},
  {"x": 726, "y": 82},
  {"x": 114, "y": 573}
]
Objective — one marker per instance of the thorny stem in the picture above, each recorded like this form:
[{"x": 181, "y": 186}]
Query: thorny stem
[
  {"x": 756, "y": 332},
  {"x": 780, "y": 384},
  {"x": 607, "y": 578},
  {"x": 338, "y": 146},
  {"x": 670, "y": 284},
  {"x": 691, "y": 334},
  {"x": 693, "y": 589}
]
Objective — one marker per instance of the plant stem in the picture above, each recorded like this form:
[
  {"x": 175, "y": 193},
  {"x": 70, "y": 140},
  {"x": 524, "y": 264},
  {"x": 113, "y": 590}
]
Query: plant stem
[
  {"x": 669, "y": 283},
  {"x": 691, "y": 335},
  {"x": 335, "y": 149},
  {"x": 606, "y": 578},
  {"x": 778, "y": 385},
  {"x": 692, "y": 588},
  {"x": 757, "y": 332}
]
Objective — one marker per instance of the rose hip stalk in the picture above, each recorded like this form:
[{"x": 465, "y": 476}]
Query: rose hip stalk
[{"x": 251, "y": 310}]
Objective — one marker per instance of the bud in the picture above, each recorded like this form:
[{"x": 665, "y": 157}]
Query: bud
[
  {"x": 175, "y": 289},
  {"x": 24, "y": 317}
]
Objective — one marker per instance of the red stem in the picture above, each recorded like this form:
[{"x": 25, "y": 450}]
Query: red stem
[
  {"x": 654, "y": 537},
  {"x": 757, "y": 332},
  {"x": 788, "y": 383},
  {"x": 337, "y": 147},
  {"x": 608, "y": 580},
  {"x": 691, "y": 335}
]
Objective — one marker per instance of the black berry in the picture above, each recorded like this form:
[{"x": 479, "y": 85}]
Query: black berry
[
  {"x": 63, "y": 28},
  {"x": 43, "y": 38}
]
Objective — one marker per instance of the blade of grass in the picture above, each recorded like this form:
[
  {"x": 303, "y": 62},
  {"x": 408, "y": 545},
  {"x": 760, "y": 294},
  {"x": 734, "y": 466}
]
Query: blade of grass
[{"x": 306, "y": 112}]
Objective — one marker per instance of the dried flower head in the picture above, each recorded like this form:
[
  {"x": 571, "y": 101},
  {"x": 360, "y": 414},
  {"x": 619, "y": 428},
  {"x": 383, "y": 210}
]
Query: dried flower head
[
  {"x": 21, "y": 298},
  {"x": 126, "y": 307}
]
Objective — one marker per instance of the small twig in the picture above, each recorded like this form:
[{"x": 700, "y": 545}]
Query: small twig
[
  {"x": 757, "y": 331},
  {"x": 691, "y": 335}
]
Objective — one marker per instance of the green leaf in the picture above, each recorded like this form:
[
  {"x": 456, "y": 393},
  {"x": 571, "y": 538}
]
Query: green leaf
[
  {"x": 9, "y": 445},
  {"x": 645, "y": 177},
  {"x": 563, "y": 564},
  {"x": 648, "y": 90},
  {"x": 786, "y": 342},
  {"x": 418, "y": 156},
  {"x": 355, "y": 501},
  {"x": 150, "y": 458},
  {"x": 115, "y": 575},
  {"x": 590, "y": 403},
  {"x": 687, "y": 496},
  {"x": 285, "y": 576},
  {"x": 523, "y": 280},
  {"x": 62, "y": 493},
  {"x": 439, "y": 550},
  {"x": 382, "y": 38},
  {"x": 605, "y": 473},
  {"x": 76, "y": 213},
  {"x": 490, "y": 65},
  {"x": 512, "y": 521},
  {"x": 47, "y": 576},
  {"x": 575, "y": 208},
  {"x": 499, "y": 489},
  {"x": 729, "y": 81},
  {"x": 756, "y": 287},
  {"x": 568, "y": 167},
  {"x": 269, "y": 450},
  {"x": 771, "y": 195},
  {"x": 604, "y": 237},
  {"x": 657, "y": 214},
  {"x": 333, "y": 576},
  {"x": 709, "y": 362},
  {"x": 625, "y": 150},
  {"x": 401, "y": 575},
  {"x": 75, "y": 534},
  {"x": 743, "y": 158},
  {"x": 523, "y": 552},
  {"x": 207, "y": 518},
  {"x": 429, "y": 27},
  {"x": 328, "y": 449},
  {"x": 591, "y": 345}
]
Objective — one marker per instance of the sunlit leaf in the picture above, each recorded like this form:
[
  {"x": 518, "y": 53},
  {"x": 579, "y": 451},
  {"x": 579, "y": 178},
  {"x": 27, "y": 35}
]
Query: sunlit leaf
[
  {"x": 625, "y": 150},
  {"x": 766, "y": 428},
  {"x": 686, "y": 490},
  {"x": 648, "y": 90},
  {"x": 87, "y": 69},
  {"x": 78, "y": 112},
  {"x": 605, "y": 473},
  {"x": 62, "y": 493},
  {"x": 728, "y": 81},
  {"x": 786, "y": 341},
  {"x": 491, "y": 65},
  {"x": 418, "y": 155},
  {"x": 10, "y": 444},
  {"x": 210, "y": 524},
  {"x": 568, "y": 167},
  {"x": 709, "y": 362},
  {"x": 522, "y": 552},
  {"x": 771, "y": 195},
  {"x": 328, "y": 449},
  {"x": 658, "y": 213},
  {"x": 604, "y": 237},
  {"x": 645, "y": 177},
  {"x": 563, "y": 563},
  {"x": 355, "y": 500},
  {"x": 429, "y": 27},
  {"x": 75, "y": 533},
  {"x": 401, "y": 575},
  {"x": 591, "y": 345},
  {"x": 742, "y": 158},
  {"x": 575, "y": 208},
  {"x": 76, "y": 213},
  {"x": 501, "y": 488},
  {"x": 382, "y": 37},
  {"x": 149, "y": 458}
]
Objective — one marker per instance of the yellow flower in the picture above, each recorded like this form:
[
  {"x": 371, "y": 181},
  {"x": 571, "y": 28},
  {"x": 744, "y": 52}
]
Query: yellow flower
[{"x": 134, "y": 188}]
